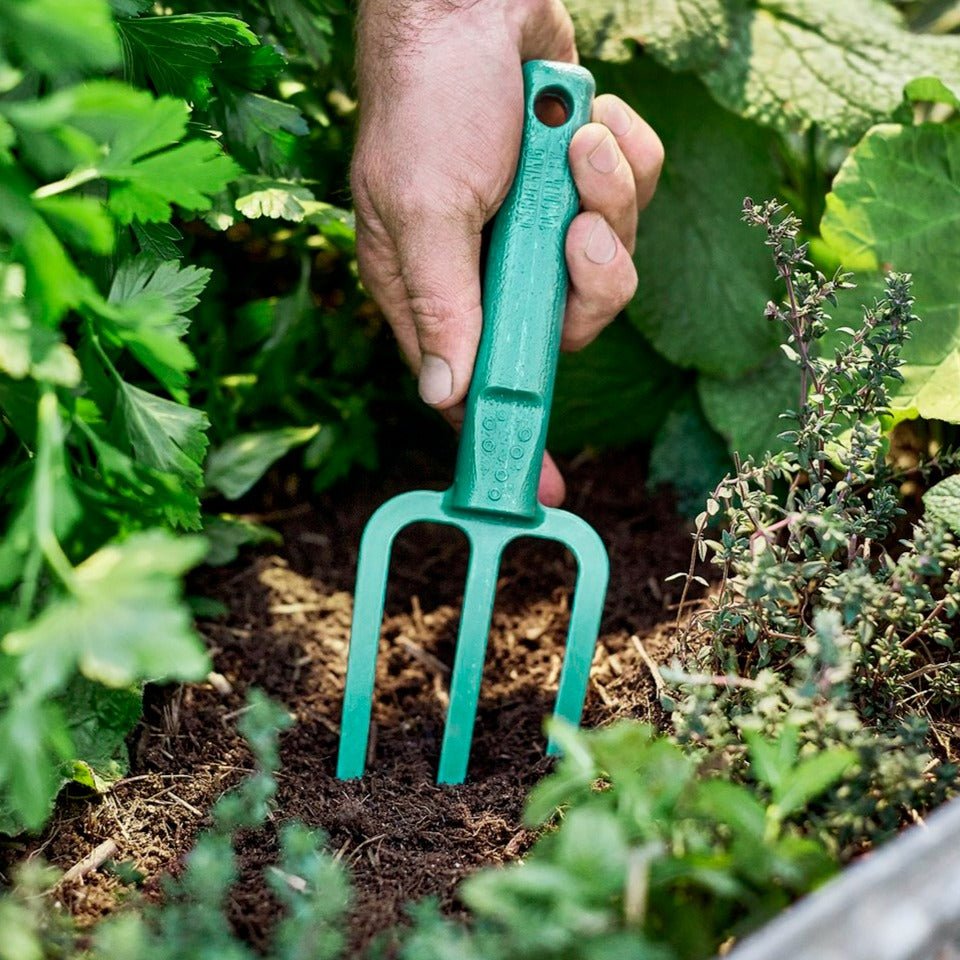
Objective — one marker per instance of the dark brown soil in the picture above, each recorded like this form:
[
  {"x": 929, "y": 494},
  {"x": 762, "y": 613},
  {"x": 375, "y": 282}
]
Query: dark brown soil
[{"x": 403, "y": 837}]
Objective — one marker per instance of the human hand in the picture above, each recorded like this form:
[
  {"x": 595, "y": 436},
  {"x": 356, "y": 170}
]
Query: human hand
[{"x": 441, "y": 108}]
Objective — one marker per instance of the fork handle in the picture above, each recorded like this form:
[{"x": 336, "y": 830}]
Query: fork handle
[{"x": 524, "y": 298}]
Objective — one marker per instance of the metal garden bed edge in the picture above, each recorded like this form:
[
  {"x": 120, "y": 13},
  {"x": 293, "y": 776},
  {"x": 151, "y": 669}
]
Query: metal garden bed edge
[{"x": 900, "y": 903}]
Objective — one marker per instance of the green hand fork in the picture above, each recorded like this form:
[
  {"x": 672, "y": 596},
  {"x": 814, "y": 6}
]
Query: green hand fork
[{"x": 493, "y": 499}]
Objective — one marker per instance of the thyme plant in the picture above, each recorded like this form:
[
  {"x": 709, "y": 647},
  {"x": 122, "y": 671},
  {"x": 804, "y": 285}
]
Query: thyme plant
[{"x": 825, "y": 615}]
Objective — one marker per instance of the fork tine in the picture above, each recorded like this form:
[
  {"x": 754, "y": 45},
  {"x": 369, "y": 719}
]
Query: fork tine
[
  {"x": 373, "y": 567},
  {"x": 588, "y": 600},
  {"x": 478, "y": 597},
  {"x": 372, "y": 571}
]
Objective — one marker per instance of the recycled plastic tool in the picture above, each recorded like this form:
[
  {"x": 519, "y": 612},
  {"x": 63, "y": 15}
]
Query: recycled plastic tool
[{"x": 493, "y": 499}]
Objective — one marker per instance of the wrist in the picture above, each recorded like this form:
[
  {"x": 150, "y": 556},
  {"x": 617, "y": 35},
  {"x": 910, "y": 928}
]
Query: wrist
[{"x": 398, "y": 40}]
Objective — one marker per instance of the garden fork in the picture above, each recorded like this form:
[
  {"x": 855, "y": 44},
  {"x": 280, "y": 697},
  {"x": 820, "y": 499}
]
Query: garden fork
[{"x": 493, "y": 499}]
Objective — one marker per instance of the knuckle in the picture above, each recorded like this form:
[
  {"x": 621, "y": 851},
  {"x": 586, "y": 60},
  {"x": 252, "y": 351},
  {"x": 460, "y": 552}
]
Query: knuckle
[
  {"x": 611, "y": 288},
  {"x": 655, "y": 154},
  {"x": 623, "y": 287},
  {"x": 625, "y": 198},
  {"x": 566, "y": 37},
  {"x": 432, "y": 315},
  {"x": 440, "y": 316},
  {"x": 423, "y": 198}
]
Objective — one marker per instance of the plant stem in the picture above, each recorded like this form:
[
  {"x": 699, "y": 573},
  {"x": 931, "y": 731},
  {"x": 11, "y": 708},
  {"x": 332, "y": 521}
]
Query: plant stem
[
  {"x": 48, "y": 425},
  {"x": 76, "y": 179},
  {"x": 934, "y": 614}
]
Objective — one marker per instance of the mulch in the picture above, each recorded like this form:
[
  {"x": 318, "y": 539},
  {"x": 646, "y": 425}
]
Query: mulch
[{"x": 402, "y": 837}]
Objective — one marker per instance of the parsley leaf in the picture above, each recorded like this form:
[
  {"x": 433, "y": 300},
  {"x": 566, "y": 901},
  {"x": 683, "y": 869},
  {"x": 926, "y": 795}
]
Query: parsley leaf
[
  {"x": 277, "y": 199},
  {"x": 178, "y": 53},
  {"x": 263, "y": 132},
  {"x": 235, "y": 466},
  {"x": 29, "y": 349},
  {"x": 132, "y": 140},
  {"x": 122, "y": 621},
  {"x": 158, "y": 239},
  {"x": 165, "y": 435},
  {"x": 151, "y": 298},
  {"x": 47, "y": 37}
]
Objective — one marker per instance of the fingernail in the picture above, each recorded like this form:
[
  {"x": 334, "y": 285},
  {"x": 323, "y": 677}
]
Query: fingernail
[
  {"x": 601, "y": 246},
  {"x": 617, "y": 119},
  {"x": 436, "y": 379},
  {"x": 605, "y": 155}
]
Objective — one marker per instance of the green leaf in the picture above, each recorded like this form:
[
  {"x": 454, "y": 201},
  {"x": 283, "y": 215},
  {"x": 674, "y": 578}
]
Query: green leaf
[
  {"x": 314, "y": 916},
  {"x": 7, "y": 139},
  {"x": 250, "y": 68},
  {"x": 188, "y": 175},
  {"x": 238, "y": 464},
  {"x": 681, "y": 34},
  {"x": 930, "y": 90},
  {"x": 842, "y": 65},
  {"x": 130, "y": 138},
  {"x": 611, "y": 393},
  {"x": 100, "y": 720},
  {"x": 79, "y": 221},
  {"x": 261, "y": 131},
  {"x": 811, "y": 777},
  {"x": 22, "y": 939},
  {"x": 942, "y": 502},
  {"x": 178, "y": 53},
  {"x": 123, "y": 622},
  {"x": 703, "y": 277},
  {"x": 158, "y": 239},
  {"x": 47, "y": 39},
  {"x": 573, "y": 775},
  {"x": 152, "y": 297},
  {"x": 161, "y": 498},
  {"x": 688, "y": 455},
  {"x": 34, "y": 742},
  {"x": 227, "y": 534},
  {"x": 207, "y": 608},
  {"x": 788, "y": 64},
  {"x": 131, "y": 8},
  {"x": 179, "y": 286},
  {"x": 333, "y": 223},
  {"x": 734, "y": 805},
  {"x": 52, "y": 283},
  {"x": 26, "y": 348},
  {"x": 50, "y": 510},
  {"x": 894, "y": 206},
  {"x": 165, "y": 435},
  {"x": 771, "y": 761},
  {"x": 277, "y": 199},
  {"x": 312, "y": 28},
  {"x": 746, "y": 412},
  {"x": 592, "y": 844}
]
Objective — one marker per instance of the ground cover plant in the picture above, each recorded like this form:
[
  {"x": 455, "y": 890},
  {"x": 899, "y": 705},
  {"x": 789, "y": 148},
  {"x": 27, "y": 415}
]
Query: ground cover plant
[{"x": 179, "y": 312}]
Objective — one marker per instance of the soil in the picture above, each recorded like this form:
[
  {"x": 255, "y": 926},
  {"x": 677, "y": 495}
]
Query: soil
[{"x": 403, "y": 837}]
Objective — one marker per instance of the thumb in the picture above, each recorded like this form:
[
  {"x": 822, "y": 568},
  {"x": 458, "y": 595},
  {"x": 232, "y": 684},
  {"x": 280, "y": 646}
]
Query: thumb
[{"x": 440, "y": 265}]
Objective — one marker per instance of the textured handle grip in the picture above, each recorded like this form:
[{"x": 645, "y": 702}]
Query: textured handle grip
[{"x": 524, "y": 296}]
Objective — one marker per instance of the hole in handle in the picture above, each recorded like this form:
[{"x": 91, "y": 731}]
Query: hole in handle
[{"x": 552, "y": 107}]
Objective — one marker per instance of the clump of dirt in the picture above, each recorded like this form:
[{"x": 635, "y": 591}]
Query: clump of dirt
[{"x": 402, "y": 836}]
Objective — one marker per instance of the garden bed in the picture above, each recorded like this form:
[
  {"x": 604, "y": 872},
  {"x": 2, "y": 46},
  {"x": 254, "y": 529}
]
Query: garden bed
[{"x": 403, "y": 837}]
